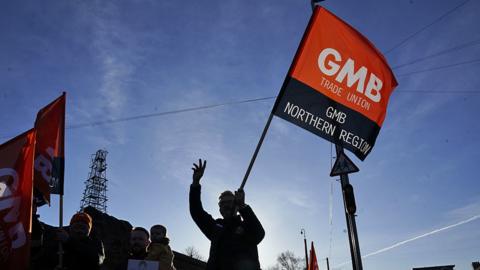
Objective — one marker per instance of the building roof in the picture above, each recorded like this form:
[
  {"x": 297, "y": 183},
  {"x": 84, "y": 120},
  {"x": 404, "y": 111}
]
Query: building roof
[{"x": 184, "y": 262}]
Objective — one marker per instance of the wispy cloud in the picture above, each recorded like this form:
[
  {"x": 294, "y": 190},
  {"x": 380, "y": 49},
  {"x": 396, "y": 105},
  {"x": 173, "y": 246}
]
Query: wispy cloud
[
  {"x": 116, "y": 54},
  {"x": 465, "y": 211},
  {"x": 116, "y": 69}
]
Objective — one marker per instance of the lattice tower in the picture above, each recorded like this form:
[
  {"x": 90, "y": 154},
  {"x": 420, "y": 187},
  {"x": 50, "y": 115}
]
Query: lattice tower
[{"x": 95, "y": 194}]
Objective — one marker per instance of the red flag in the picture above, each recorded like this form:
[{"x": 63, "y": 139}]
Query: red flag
[
  {"x": 338, "y": 86},
  {"x": 16, "y": 177},
  {"x": 49, "y": 151},
  {"x": 313, "y": 265}
]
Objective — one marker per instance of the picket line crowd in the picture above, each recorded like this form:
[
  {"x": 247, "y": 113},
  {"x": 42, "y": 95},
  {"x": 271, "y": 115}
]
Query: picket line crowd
[
  {"x": 82, "y": 251},
  {"x": 234, "y": 238}
]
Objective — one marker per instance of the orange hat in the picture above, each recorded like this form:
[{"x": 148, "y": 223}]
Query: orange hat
[{"x": 82, "y": 217}]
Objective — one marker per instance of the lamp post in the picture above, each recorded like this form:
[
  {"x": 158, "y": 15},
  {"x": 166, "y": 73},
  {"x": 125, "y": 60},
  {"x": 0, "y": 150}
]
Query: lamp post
[{"x": 302, "y": 231}]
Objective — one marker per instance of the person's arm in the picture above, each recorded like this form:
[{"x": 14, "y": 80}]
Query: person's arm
[
  {"x": 253, "y": 227},
  {"x": 101, "y": 252},
  {"x": 203, "y": 220}
]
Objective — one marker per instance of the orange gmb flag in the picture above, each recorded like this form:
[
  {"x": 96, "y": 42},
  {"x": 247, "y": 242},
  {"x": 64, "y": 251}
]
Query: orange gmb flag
[
  {"x": 16, "y": 176},
  {"x": 338, "y": 86},
  {"x": 313, "y": 264},
  {"x": 49, "y": 152}
]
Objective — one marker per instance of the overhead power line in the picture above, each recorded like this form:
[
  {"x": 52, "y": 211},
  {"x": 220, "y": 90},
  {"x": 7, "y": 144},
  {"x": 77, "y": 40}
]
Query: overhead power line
[
  {"x": 211, "y": 106},
  {"x": 150, "y": 115},
  {"x": 200, "y": 108},
  {"x": 440, "y": 67},
  {"x": 401, "y": 43},
  {"x": 446, "y": 51},
  {"x": 440, "y": 91}
]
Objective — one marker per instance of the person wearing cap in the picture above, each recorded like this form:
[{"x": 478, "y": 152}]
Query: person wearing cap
[
  {"x": 81, "y": 251},
  {"x": 234, "y": 238}
]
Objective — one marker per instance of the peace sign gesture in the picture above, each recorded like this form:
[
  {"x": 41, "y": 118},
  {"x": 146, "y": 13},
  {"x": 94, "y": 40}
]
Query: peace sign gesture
[{"x": 198, "y": 171}]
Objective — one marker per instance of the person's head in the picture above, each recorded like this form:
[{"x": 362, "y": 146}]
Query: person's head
[
  {"x": 226, "y": 204},
  {"x": 139, "y": 240},
  {"x": 157, "y": 233},
  {"x": 80, "y": 225}
]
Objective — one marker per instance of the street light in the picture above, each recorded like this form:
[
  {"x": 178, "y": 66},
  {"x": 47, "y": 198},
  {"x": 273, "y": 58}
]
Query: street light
[{"x": 302, "y": 231}]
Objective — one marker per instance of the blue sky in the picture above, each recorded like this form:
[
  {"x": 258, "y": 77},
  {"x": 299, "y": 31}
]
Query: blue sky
[{"x": 125, "y": 58}]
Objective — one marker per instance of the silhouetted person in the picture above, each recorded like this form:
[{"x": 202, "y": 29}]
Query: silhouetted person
[
  {"x": 139, "y": 240},
  {"x": 234, "y": 238},
  {"x": 81, "y": 251},
  {"x": 44, "y": 242},
  {"x": 36, "y": 238},
  {"x": 159, "y": 250}
]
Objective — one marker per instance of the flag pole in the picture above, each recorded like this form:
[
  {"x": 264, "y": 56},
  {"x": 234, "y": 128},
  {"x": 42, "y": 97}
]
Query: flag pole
[
  {"x": 62, "y": 177},
  {"x": 60, "y": 225},
  {"x": 275, "y": 105},
  {"x": 260, "y": 142}
]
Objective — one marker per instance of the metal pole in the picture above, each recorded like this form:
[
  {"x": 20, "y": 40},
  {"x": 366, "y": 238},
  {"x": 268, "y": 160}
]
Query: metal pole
[
  {"x": 328, "y": 264},
  {"x": 60, "y": 224},
  {"x": 61, "y": 177},
  {"x": 275, "y": 105},
  {"x": 302, "y": 231},
  {"x": 260, "y": 142},
  {"x": 351, "y": 225},
  {"x": 313, "y": 3}
]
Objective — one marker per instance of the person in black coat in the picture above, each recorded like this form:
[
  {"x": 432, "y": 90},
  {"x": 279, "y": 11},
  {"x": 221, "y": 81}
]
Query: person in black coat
[
  {"x": 81, "y": 250},
  {"x": 234, "y": 238}
]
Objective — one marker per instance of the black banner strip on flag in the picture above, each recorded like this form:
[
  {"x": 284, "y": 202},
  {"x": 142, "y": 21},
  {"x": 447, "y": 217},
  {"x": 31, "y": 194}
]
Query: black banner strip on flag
[
  {"x": 58, "y": 172},
  {"x": 309, "y": 109}
]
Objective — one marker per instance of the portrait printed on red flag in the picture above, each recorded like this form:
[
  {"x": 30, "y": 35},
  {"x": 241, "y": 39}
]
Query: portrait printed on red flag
[{"x": 16, "y": 184}]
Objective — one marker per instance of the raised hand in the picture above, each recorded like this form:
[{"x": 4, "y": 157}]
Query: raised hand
[
  {"x": 240, "y": 198},
  {"x": 198, "y": 171}
]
